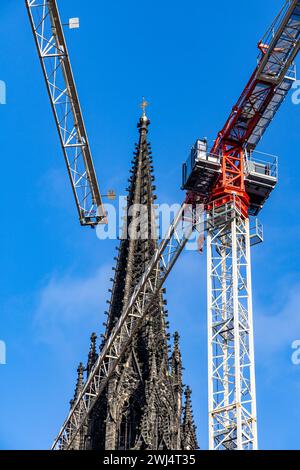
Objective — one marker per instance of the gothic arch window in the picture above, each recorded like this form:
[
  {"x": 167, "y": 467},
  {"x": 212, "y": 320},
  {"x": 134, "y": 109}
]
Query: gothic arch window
[{"x": 128, "y": 426}]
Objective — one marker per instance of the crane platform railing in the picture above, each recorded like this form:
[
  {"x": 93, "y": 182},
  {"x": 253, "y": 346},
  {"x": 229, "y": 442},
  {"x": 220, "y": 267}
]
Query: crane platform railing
[{"x": 261, "y": 163}]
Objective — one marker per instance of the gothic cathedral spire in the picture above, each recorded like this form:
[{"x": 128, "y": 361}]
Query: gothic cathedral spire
[{"x": 141, "y": 407}]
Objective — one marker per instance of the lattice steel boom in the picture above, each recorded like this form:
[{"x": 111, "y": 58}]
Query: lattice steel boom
[
  {"x": 53, "y": 53},
  {"x": 188, "y": 219},
  {"x": 269, "y": 84}
]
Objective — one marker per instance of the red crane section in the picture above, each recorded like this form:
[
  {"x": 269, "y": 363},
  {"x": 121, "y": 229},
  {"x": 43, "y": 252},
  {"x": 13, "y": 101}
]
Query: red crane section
[{"x": 266, "y": 90}]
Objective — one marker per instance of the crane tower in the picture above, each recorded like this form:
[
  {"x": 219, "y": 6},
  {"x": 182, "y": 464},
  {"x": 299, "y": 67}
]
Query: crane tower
[{"x": 236, "y": 182}]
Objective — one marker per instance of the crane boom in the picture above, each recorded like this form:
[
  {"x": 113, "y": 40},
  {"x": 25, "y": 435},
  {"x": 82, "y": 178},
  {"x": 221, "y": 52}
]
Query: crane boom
[
  {"x": 53, "y": 53},
  {"x": 249, "y": 119},
  {"x": 269, "y": 84}
]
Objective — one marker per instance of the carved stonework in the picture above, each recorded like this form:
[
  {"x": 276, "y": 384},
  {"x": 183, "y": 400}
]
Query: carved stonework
[{"x": 141, "y": 408}]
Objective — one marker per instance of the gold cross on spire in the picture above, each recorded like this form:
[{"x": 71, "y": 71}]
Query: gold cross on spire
[{"x": 144, "y": 105}]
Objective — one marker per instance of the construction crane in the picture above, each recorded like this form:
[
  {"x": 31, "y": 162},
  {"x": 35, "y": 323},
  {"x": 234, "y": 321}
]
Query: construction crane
[
  {"x": 231, "y": 182},
  {"x": 53, "y": 53}
]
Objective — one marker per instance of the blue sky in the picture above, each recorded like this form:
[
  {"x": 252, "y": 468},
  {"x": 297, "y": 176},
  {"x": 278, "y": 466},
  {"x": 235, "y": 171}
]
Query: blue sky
[{"x": 191, "y": 61}]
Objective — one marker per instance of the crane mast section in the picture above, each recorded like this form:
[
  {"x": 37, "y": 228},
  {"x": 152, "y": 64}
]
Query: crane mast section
[
  {"x": 145, "y": 293},
  {"x": 231, "y": 375},
  {"x": 269, "y": 84},
  {"x": 53, "y": 53}
]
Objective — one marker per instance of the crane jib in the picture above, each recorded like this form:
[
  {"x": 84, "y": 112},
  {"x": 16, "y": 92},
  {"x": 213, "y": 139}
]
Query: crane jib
[
  {"x": 53, "y": 54},
  {"x": 269, "y": 84}
]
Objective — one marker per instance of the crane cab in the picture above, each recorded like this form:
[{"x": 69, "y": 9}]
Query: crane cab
[{"x": 201, "y": 170}]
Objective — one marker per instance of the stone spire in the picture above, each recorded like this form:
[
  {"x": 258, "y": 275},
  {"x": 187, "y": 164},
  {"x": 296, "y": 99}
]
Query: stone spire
[
  {"x": 134, "y": 252},
  {"x": 189, "y": 437},
  {"x": 79, "y": 440},
  {"x": 141, "y": 406},
  {"x": 93, "y": 356},
  {"x": 176, "y": 371},
  {"x": 176, "y": 362},
  {"x": 79, "y": 383}
]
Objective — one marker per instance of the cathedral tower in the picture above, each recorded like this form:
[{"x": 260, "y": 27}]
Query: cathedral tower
[{"x": 141, "y": 407}]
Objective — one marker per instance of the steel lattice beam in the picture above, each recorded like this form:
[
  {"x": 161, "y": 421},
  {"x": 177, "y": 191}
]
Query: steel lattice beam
[
  {"x": 53, "y": 53},
  {"x": 269, "y": 84},
  {"x": 145, "y": 293},
  {"x": 231, "y": 375},
  {"x": 281, "y": 44}
]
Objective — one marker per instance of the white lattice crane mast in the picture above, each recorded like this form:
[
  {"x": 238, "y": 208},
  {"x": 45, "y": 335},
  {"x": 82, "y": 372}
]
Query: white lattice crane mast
[
  {"x": 232, "y": 184},
  {"x": 236, "y": 184},
  {"x": 245, "y": 183},
  {"x": 53, "y": 53}
]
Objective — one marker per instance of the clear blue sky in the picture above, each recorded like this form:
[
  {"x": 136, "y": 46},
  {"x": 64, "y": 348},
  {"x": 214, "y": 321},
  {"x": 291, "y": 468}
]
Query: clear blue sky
[{"x": 191, "y": 61}]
